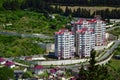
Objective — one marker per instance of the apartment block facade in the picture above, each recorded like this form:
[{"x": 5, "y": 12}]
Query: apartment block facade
[
  {"x": 64, "y": 44},
  {"x": 91, "y": 33},
  {"x": 85, "y": 41}
]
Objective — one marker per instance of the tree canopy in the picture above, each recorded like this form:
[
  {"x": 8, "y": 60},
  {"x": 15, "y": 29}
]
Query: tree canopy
[
  {"x": 6, "y": 73},
  {"x": 95, "y": 72}
]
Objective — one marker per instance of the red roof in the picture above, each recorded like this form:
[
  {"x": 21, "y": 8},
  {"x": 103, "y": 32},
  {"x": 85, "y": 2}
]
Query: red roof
[
  {"x": 2, "y": 59},
  {"x": 9, "y": 63},
  {"x": 92, "y": 30},
  {"x": 38, "y": 67},
  {"x": 82, "y": 30},
  {"x": 79, "y": 21},
  {"x": 61, "y": 31},
  {"x": 52, "y": 71},
  {"x": 92, "y": 20}
]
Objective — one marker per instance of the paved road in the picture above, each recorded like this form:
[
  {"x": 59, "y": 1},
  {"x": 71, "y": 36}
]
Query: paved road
[
  {"x": 26, "y": 35},
  {"x": 112, "y": 28},
  {"x": 108, "y": 53}
]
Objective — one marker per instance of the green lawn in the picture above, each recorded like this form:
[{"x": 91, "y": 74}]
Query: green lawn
[{"x": 115, "y": 64}]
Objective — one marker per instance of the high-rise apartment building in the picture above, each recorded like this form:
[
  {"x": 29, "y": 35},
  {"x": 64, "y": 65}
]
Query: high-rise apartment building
[
  {"x": 99, "y": 27},
  {"x": 85, "y": 36},
  {"x": 85, "y": 41},
  {"x": 64, "y": 44},
  {"x": 91, "y": 32}
]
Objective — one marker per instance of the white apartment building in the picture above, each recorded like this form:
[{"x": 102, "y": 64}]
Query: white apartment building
[
  {"x": 95, "y": 31},
  {"x": 81, "y": 23},
  {"x": 96, "y": 24},
  {"x": 85, "y": 35},
  {"x": 85, "y": 41},
  {"x": 64, "y": 44},
  {"x": 100, "y": 33}
]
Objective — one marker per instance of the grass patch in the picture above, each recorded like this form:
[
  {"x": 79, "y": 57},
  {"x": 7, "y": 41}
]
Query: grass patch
[{"x": 115, "y": 64}]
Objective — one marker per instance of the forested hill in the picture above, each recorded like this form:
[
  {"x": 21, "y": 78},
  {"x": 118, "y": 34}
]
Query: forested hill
[
  {"x": 113, "y": 3},
  {"x": 46, "y": 7},
  {"x": 85, "y": 2}
]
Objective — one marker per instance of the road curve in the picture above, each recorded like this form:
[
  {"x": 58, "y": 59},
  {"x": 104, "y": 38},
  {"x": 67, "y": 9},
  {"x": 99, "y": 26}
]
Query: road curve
[{"x": 26, "y": 35}]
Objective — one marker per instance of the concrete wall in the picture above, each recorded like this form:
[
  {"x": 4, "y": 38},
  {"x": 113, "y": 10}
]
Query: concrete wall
[
  {"x": 62, "y": 62},
  {"x": 109, "y": 44},
  {"x": 99, "y": 47}
]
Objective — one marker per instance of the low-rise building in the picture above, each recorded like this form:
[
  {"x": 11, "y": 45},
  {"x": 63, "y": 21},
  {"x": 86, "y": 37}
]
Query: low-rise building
[
  {"x": 38, "y": 69},
  {"x": 10, "y": 64},
  {"x": 2, "y": 61}
]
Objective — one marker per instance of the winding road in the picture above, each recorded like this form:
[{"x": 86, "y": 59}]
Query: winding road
[{"x": 26, "y": 35}]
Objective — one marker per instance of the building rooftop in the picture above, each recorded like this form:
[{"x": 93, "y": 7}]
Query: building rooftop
[
  {"x": 2, "y": 59},
  {"x": 61, "y": 31},
  {"x": 92, "y": 20},
  {"x": 82, "y": 30},
  {"x": 9, "y": 63},
  {"x": 38, "y": 67},
  {"x": 80, "y": 21}
]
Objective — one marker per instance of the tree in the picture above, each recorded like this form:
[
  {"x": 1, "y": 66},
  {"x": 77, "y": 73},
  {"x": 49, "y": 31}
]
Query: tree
[
  {"x": 94, "y": 72},
  {"x": 92, "y": 60},
  {"x": 27, "y": 75},
  {"x": 83, "y": 74},
  {"x": 67, "y": 11},
  {"x": 6, "y": 73}
]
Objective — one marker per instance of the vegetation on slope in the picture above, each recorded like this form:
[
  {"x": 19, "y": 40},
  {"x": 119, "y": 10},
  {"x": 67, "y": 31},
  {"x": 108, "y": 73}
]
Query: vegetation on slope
[
  {"x": 31, "y": 22},
  {"x": 103, "y": 72},
  {"x": 115, "y": 32},
  {"x": 17, "y": 46}
]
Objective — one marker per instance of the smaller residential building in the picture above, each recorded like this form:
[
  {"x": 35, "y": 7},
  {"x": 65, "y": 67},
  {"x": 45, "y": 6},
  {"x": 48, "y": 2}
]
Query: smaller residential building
[
  {"x": 10, "y": 64},
  {"x": 38, "y": 69},
  {"x": 2, "y": 61}
]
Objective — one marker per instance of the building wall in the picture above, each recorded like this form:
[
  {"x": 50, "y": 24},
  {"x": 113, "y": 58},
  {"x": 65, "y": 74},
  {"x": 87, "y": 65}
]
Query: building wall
[
  {"x": 64, "y": 44},
  {"x": 62, "y": 62},
  {"x": 85, "y": 42},
  {"x": 100, "y": 33},
  {"x": 96, "y": 40}
]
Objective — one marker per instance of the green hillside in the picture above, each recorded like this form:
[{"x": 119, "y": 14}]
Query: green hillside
[{"x": 31, "y": 22}]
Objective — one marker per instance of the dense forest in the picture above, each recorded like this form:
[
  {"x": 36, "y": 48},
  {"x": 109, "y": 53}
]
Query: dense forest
[
  {"x": 44, "y": 6},
  {"x": 85, "y": 2}
]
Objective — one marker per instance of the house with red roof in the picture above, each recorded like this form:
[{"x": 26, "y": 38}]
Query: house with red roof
[
  {"x": 2, "y": 61},
  {"x": 10, "y": 64},
  {"x": 38, "y": 69}
]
